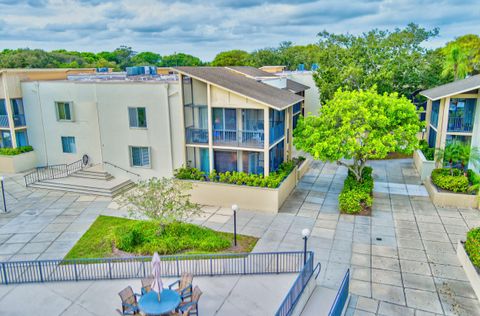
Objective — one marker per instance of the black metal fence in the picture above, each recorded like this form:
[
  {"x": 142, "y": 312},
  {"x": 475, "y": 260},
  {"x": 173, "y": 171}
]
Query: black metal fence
[
  {"x": 138, "y": 267},
  {"x": 293, "y": 295},
  {"x": 52, "y": 172}
]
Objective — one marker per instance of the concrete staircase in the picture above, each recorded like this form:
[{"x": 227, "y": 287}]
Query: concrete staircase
[{"x": 93, "y": 181}]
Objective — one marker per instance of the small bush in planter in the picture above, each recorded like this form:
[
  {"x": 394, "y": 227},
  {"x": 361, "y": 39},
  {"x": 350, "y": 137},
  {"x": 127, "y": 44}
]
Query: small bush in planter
[
  {"x": 356, "y": 196},
  {"x": 427, "y": 151},
  {"x": 472, "y": 246},
  {"x": 451, "y": 179}
]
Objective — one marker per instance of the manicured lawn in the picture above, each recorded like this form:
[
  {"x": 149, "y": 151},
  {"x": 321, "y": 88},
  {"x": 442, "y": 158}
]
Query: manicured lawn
[{"x": 120, "y": 237}]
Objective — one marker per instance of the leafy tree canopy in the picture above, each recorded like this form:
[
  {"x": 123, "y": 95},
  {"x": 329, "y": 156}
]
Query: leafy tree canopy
[
  {"x": 231, "y": 58},
  {"x": 359, "y": 125},
  {"x": 393, "y": 61},
  {"x": 181, "y": 59},
  {"x": 462, "y": 57}
]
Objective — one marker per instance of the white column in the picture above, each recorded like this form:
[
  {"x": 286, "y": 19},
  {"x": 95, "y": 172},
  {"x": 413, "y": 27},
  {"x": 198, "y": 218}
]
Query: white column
[
  {"x": 8, "y": 108},
  {"x": 210, "y": 132},
  {"x": 266, "y": 156}
]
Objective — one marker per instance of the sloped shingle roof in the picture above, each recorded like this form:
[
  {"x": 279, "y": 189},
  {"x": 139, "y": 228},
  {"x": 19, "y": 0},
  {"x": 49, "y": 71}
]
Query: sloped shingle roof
[
  {"x": 238, "y": 83},
  {"x": 456, "y": 87}
]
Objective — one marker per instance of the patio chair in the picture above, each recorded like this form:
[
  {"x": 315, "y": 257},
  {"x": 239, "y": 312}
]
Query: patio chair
[
  {"x": 146, "y": 285},
  {"x": 129, "y": 302},
  {"x": 191, "y": 308},
  {"x": 184, "y": 285}
]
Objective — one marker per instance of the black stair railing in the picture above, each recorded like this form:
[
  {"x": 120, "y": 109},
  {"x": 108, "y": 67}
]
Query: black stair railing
[{"x": 50, "y": 172}]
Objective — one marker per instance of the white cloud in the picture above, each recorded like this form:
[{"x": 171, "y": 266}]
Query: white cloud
[{"x": 204, "y": 28}]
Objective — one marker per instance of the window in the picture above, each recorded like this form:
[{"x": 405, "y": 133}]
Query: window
[
  {"x": 276, "y": 156},
  {"x": 18, "y": 112},
  {"x": 68, "y": 144},
  {"x": 198, "y": 158},
  {"x": 137, "y": 117},
  {"x": 277, "y": 125},
  {"x": 461, "y": 115},
  {"x": 140, "y": 156},
  {"x": 64, "y": 111},
  {"x": 434, "y": 113},
  {"x": 6, "y": 141},
  {"x": 252, "y": 162},
  {"x": 432, "y": 138},
  {"x": 22, "y": 138},
  {"x": 225, "y": 161}
]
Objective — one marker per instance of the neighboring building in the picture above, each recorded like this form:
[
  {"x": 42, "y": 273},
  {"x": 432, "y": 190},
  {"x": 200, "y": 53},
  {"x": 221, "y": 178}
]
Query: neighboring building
[
  {"x": 312, "y": 95},
  {"x": 227, "y": 119},
  {"x": 13, "y": 124},
  {"x": 452, "y": 113},
  {"x": 238, "y": 118}
]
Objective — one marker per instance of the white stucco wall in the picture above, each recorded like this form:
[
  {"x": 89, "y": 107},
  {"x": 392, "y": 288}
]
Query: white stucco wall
[
  {"x": 101, "y": 124},
  {"x": 312, "y": 95}
]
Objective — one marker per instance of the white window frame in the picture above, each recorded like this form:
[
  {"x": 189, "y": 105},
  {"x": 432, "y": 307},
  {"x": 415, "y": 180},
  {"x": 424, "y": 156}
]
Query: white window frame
[
  {"x": 130, "y": 152},
  {"x": 136, "y": 113},
  {"x": 70, "y": 105}
]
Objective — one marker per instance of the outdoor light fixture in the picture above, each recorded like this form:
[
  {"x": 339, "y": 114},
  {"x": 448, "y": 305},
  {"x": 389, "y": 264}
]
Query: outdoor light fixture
[
  {"x": 235, "y": 209},
  {"x": 2, "y": 178},
  {"x": 305, "y": 234},
  {"x": 423, "y": 131}
]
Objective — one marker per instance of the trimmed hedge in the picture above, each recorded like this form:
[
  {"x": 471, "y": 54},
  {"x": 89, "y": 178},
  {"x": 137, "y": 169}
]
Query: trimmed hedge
[
  {"x": 456, "y": 183},
  {"x": 240, "y": 178},
  {"x": 15, "y": 151},
  {"x": 472, "y": 246},
  {"x": 356, "y": 196}
]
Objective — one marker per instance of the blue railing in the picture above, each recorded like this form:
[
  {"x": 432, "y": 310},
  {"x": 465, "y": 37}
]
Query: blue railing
[
  {"x": 460, "y": 124},
  {"x": 19, "y": 120},
  {"x": 341, "y": 297},
  {"x": 139, "y": 267},
  {"x": 238, "y": 138},
  {"x": 276, "y": 132},
  {"x": 4, "y": 121},
  {"x": 197, "y": 135},
  {"x": 289, "y": 302}
]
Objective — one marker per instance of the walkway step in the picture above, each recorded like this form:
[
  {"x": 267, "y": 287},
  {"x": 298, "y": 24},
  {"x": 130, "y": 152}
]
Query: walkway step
[{"x": 82, "y": 185}]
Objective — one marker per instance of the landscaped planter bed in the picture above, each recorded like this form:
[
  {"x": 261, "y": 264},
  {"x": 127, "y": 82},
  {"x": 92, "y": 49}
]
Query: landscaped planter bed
[
  {"x": 423, "y": 166},
  {"x": 445, "y": 198},
  {"x": 303, "y": 168},
  {"x": 473, "y": 273},
  {"x": 18, "y": 163},
  {"x": 247, "y": 197}
]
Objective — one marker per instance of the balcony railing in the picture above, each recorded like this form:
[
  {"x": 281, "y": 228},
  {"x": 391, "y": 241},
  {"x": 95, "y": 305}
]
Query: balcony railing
[
  {"x": 276, "y": 132},
  {"x": 4, "y": 121},
  {"x": 459, "y": 124},
  {"x": 19, "y": 120},
  {"x": 197, "y": 135},
  {"x": 238, "y": 138}
]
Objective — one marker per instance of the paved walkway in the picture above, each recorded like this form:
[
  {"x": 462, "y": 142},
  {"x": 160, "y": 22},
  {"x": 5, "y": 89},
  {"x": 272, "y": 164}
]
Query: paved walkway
[
  {"x": 402, "y": 258},
  {"x": 226, "y": 295}
]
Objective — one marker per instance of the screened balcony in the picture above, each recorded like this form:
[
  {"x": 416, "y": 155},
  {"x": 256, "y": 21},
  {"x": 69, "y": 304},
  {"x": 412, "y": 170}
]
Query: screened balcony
[
  {"x": 277, "y": 125},
  {"x": 18, "y": 112},
  {"x": 461, "y": 115},
  {"x": 238, "y": 138},
  {"x": 196, "y": 135},
  {"x": 3, "y": 114}
]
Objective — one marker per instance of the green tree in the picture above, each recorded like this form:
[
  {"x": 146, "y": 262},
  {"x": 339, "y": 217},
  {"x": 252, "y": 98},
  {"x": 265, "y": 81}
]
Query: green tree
[
  {"x": 234, "y": 57},
  {"x": 265, "y": 57},
  {"x": 359, "y": 125},
  {"x": 146, "y": 59},
  {"x": 163, "y": 200},
  {"x": 458, "y": 154},
  {"x": 393, "y": 61},
  {"x": 181, "y": 59},
  {"x": 468, "y": 45},
  {"x": 456, "y": 62}
]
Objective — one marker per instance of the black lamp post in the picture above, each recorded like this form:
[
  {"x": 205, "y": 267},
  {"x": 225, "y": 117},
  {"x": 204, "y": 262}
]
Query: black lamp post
[
  {"x": 235, "y": 209},
  {"x": 2, "y": 178},
  {"x": 305, "y": 234}
]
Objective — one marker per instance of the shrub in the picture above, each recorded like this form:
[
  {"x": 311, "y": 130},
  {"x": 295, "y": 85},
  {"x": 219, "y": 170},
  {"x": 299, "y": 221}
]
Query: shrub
[
  {"x": 239, "y": 178},
  {"x": 143, "y": 237},
  {"x": 356, "y": 196},
  {"x": 15, "y": 151},
  {"x": 457, "y": 182},
  {"x": 472, "y": 246},
  {"x": 427, "y": 151}
]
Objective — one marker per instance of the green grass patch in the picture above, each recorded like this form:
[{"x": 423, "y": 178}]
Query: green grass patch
[{"x": 117, "y": 237}]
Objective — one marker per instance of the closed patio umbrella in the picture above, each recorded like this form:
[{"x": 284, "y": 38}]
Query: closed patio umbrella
[{"x": 157, "y": 284}]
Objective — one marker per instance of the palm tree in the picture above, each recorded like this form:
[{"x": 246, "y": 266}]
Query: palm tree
[
  {"x": 458, "y": 153},
  {"x": 456, "y": 62}
]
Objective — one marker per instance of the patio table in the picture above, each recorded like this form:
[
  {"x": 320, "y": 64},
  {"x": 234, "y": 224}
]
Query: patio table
[{"x": 149, "y": 304}]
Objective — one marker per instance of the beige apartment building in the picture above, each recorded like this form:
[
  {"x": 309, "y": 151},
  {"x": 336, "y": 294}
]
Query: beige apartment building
[{"x": 140, "y": 126}]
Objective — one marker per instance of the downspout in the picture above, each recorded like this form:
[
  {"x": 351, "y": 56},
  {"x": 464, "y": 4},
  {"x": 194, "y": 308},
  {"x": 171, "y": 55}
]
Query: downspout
[{"x": 170, "y": 127}]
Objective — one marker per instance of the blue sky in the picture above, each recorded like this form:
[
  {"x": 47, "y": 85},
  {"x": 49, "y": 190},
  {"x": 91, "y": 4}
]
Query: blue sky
[{"x": 206, "y": 27}]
